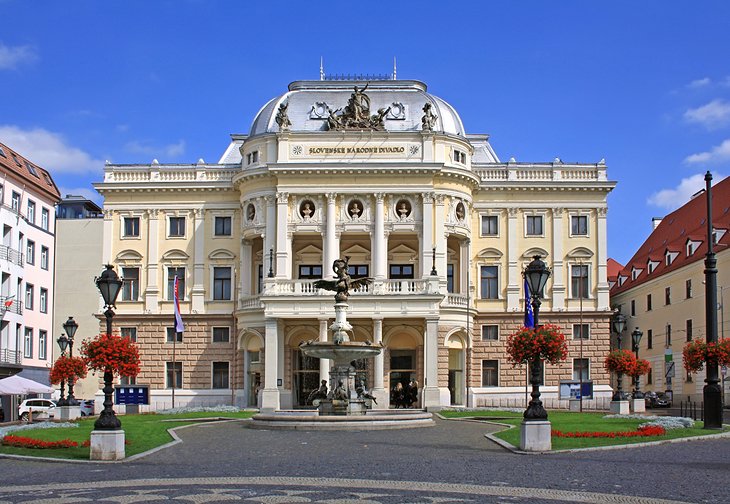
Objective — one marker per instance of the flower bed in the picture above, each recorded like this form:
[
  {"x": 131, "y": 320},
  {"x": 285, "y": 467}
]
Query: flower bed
[
  {"x": 26, "y": 442},
  {"x": 642, "y": 431}
]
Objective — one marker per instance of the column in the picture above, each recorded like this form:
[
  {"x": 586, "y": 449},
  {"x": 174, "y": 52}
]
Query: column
[
  {"x": 379, "y": 243},
  {"x": 324, "y": 364},
  {"x": 108, "y": 237},
  {"x": 427, "y": 242},
  {"x": 431, "y": 393},
  {"x": 199, "y": 259},
  {"x": 282, "y": 225},
  {"x": 152, "y": 290},
  {"x": 558, "y": 291},
  {"x": 381, "y": 395},
  {"x": 270, "y": 233},
  {"x": 464, "y": 265},
  {"x": 440, "y": 240},
  {"x": 514, "y": 282},
  {"x": 601, "y": 260},
  {"x": 270, "y": 394},
  {"x": 331, "y": 247},
  {"x": 247, "y": 268}
]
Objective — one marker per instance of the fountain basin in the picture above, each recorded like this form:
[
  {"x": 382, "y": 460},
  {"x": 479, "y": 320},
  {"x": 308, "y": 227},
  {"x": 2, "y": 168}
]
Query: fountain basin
[
  {"x": 341, "y": 353},
  {"x": 371, "y": 420}
]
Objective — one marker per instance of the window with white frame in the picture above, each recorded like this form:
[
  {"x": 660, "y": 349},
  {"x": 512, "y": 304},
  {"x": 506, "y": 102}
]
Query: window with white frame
[
  {"x": 220, "y": 375},
  {"x": 129, "y": 333},
  {"x": 44, "y": 257},
  {"x": 221, "y": 283},
  {"x": 177, "y": 227},
  {"x": 15, "y": 201},
  {"x": 581, "y": 331},
  {"x": 490, "y": 332},
  {"x": 459, "y": 156},
  {"x": 28, "y": 343},
  {"x": 173, "y": 336},
  {"x": 489, "y": 282},
  {"x": 130, "y": 287},
  {"x": 533, "y": 225},
  {"x": 221, "y": 334},
  {"x": 29, "y": 293},
  {"x": 131, "y": 227},
  {"x": 581, "y": 369},
  {"x": 579, "y": 281},
  {"x": 490, "y": 373},
  {"x": 31, "y": 211},
  {"x": 45, "y": 218},
  {"x": 42, "y": 344},
  {"x": 30, "y": 251},
  {"x": 579, "y": 225},
  {"x": 171, "y": 274},
  {"x": 222, "y": 226},
  {"x": 490, "y": 225},
  {"x": 173, "y": 374},
  {"x": 43, "y": 301}
]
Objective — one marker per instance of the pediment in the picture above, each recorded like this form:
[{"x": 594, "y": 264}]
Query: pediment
[
  {"x": 580, "y": 253},
  {"x": 490, "y": 253},
  {"x": 175, "y": 255},
  {"x": 221, "y": 254},
  {"x": 128, "y": 256},
  {"x": 402, "y": 253},
  {"x": 528, "y": 254},
  {"x": 310, "y": 254}
]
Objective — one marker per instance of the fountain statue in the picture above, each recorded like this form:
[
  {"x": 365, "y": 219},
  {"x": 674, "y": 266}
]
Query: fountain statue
[{"x": 345, "y": 396}]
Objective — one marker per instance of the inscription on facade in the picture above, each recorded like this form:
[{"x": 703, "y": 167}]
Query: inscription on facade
[{"x": 315, "y": 150}]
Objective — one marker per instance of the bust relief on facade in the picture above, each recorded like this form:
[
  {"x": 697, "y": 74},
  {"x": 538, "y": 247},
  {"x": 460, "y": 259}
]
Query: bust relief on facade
[
  {"x": 306, "y": 210},
  {"x": 250, "y": 212},
  {"x": 354, "y": 209},
  {"x": 460, "y": 211},
  {"x": 403, "y": 209}
]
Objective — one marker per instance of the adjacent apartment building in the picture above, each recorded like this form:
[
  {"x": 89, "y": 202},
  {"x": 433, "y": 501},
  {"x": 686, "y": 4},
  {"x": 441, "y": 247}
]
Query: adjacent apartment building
[
  {"x": 661, "y": 290},
  {"x": 382, "y": 172}
]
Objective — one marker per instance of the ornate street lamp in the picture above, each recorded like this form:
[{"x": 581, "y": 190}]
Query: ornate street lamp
[
  {"x": 536, "y": 274},
  {"x": 63, "y": 345},
  {"x": 711, "y": 392},
  {"x": 618, "y": 322},
  {"x": 109, "y": 284},
  {"x": 70, "y": 326},
  {"x": 635, "y": 340}
]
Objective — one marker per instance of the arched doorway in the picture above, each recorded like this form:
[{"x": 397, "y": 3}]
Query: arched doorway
[
  {"x": 403, "y": 376},
  {"x": 253, "y": 367},
  {"x": 304, "y": 369},
  {"x": 456, "y": 370}
]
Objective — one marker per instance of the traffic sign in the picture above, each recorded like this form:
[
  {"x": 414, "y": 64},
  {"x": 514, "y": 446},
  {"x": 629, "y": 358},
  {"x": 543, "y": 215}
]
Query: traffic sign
[{"x": 669, "y": 369}]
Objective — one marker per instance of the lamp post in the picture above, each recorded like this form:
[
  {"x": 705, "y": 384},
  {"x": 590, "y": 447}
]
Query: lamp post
[
  {"x": 618, "y": 322},
  {"x": 63, "y": 345},
  {"x": 109, "y": 285},
  {"x": 433, "y": 263},
  {"x": 271, "y": 262},
  {"x": 635, "y": 340},
  {"x": 70, "y": 327},
  {"x": 536, "y": 274}
]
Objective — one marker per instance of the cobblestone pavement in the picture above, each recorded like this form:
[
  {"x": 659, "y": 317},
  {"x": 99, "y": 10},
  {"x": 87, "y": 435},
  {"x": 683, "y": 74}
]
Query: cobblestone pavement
[{"x": 451, "y": 462}]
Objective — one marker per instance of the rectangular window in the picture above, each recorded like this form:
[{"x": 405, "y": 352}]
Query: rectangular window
[
  {"x": 221, "y": 284},
  {"x": 43, "y": 303},
  {"x": 450, "y": 278},
  {"x": 633, "y": 307},
  {"x": 173, "y": 373},
  {"x": 581, "y": 369},
  {"x": 29, "y": 294},
  {"x": 669, "y": 335},
  {"x": 31, "y": 169},
  {"x": 44, "y": 257},
  {"x": 30, "y": 251},
  {"x": 490, "y": 225},
  {"x": 130, "y": 287},
  {"x": 171, "y": 335},
  {"x": 401, "y": 271},
  {"x": 489, "y": 282},
  {"x": 490, "y": 373},
  {"x": 15, "y": 201},
  {"x": 534, "y": 225},
  {"x": 668, "y": 296},
  {"x": 31, "y": 211},
  {"x": 688, "y": 289},
  {"x": 648, "y": 302},
  {"x": 131, "y": 227},
  {"x": 221, "y": 334},
  {"x": 129, "y": 332},
  {"x": 171, "y": 274},
  {"x": 689, "y": 329},
  {"x": 177, "y": 227},
  {"x": 45, "y": 218},
  {"x": 579, "y": 281},
  {"x": 649, "y": 339},
  {"x": 310, "y": 271},
  {"x": 42, "y": 344},
  {"x": 358, "y": 270},
  {"x": 581, "y": 331},
  {"x": 223, "y": 226},
  {"x": 579, "y": 225},
  {"x": 220, "y": 375},
  {"x": 490, "y": 332},
  {"x": 260, "y": 280},
  {"x": 28, "y": 343}
]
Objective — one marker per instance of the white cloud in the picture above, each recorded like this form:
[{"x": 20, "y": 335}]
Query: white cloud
[
  {"x": 671, "y": 199},
  {"x": 712, "y": 115},
  {"x": 11, "y": 57},
  {"x": 718, "y": 154},
  {"x": 170, "y": 151},
  {"x": 49, "y": 150},
  {"x": 698, "y": 83}
]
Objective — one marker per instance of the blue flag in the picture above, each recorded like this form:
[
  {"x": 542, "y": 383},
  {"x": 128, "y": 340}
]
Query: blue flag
[{"x": 529, "y": 317}]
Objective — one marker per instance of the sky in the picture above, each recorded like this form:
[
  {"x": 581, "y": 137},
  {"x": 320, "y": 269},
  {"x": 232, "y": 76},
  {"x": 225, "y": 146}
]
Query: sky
[{"x": 643, "y": 85}]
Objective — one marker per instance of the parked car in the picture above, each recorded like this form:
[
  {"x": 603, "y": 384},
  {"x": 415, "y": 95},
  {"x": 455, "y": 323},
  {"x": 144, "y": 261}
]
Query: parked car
[
  {"x": 42, "y": 408},
  {"x": 657, "y": 400},
  {"x": 87, "y": 407}
]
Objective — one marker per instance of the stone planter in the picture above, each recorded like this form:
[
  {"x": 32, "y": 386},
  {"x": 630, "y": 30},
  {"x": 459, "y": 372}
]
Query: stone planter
[
  {"x": 107, "y": 445},
  {"x": 535, "y": 436},
  {"x": 620, "y": 407}
]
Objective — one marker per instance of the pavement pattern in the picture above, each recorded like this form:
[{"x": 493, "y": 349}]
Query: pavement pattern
[{"x": 451, "y": 462}]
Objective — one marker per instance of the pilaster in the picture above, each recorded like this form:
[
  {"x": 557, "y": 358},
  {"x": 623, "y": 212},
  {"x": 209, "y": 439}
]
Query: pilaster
[
  {"x": 558, "y": 290},
  {"x": 270, "y": 394},
  {"x": 282, "y": 228},
  {"x": 152, "y": 290},
  {"x": 199, "y": 259}
]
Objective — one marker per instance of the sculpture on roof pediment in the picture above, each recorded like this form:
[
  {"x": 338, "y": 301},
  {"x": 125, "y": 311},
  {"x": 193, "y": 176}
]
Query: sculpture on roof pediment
[
  {"x": 428, "y": 121},
  {"x": 356, "y": 114},
  {"x": 282, "y": 117}
]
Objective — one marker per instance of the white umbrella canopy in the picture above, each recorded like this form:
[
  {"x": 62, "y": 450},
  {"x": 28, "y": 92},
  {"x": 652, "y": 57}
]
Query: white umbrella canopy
[{"x": 17, "y": 385}]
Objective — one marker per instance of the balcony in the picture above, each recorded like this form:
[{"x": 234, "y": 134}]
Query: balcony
[
  {"x": 10, "y": 356},
  {"x": 10, "y": 254},
  {"x": 11, "y": 305}
]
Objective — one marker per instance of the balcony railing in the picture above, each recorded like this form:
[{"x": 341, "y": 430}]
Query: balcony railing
[
  {"x": 455, "y": 300},
  {"x": 8, "y": 305},
  {"x": 10, "y": 356},
  {"x": 10, "y": 254}
]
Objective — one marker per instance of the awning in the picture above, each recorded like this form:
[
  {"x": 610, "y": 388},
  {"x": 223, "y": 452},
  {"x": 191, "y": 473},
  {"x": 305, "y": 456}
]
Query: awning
[{"x": 17, "y": 385}]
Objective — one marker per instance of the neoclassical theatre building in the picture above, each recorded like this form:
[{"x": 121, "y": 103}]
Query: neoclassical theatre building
[{"x": 384, "y": 173}]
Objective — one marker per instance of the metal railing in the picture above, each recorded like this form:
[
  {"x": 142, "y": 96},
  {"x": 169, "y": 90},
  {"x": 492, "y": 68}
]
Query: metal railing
[
  {"x": 10, "y": 356},
  {"x": 11, "y": 305},
  {"x": 10, "y": 254}
]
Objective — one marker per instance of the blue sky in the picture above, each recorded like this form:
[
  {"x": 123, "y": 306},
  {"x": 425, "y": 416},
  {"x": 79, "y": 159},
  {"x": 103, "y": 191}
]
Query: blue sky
[{"x": 645, "y": 85}]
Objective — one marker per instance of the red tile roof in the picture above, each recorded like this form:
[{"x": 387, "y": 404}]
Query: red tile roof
[
  {"x": 687, "y": 222},
  {"x": 13, "y": 165},
  {"x": 613, "y": 268}
]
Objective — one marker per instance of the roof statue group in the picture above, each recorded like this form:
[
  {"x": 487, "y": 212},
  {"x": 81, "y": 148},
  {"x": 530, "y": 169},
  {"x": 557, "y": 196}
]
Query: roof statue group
[{"x": 356, "y": 115}]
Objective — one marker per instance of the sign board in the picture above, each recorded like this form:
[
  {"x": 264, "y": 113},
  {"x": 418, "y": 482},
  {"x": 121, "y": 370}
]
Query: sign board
[
  {"x": 132, "y": 394},
  {"x": 571, "y": 389},
  {"x": 669, "y": 369},
  {"x": 668, "y": 355}
]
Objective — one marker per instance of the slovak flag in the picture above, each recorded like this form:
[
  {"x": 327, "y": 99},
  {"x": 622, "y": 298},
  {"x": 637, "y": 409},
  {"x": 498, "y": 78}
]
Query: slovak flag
[
  {"x": 179, "y": 327},
  {"x": 529, "y": 316}
]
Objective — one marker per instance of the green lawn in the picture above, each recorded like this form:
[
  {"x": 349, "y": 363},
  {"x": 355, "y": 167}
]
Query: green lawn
[
  {"x": 142, "y": 433},
  {"x": 573, "y": 422}
]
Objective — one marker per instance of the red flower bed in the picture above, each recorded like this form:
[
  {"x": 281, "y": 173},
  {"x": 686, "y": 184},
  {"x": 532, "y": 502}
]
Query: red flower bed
[
  {"x": 646, "y": 431},
  {"x": 67, "y": 368},
  {"x": 545, "y": 342},
  {"x": 696, "y": 353},
  {"x": 108, "y": 352},
  {"x": 26, "y": 442},
  {"x": 620, "y": 361}
]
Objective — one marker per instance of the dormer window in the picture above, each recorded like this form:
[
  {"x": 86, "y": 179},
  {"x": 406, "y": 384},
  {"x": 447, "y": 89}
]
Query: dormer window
[
  {"x": 635, "y": 272},
  {"x": 670, "y": 256},
  {"x": 622, "y": 279},
  {"x": 252, "y": 157},
  {"x": 459, "y": 156},
  {"x": 692, "y": 247},
  {"x": 651, "y": 266},
  {"x": 717, "y": 235}
]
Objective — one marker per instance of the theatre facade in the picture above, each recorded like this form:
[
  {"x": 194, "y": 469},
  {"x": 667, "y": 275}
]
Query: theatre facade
[{"x": 384, "y": 173}]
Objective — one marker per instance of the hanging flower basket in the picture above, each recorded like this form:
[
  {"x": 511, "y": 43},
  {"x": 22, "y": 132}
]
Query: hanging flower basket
[
  {"x": 639, "y": 368},
  {"x": 67, "y": 369},
  {"x": 696, "y": 353},
  {"x": 620, "y": 361},
  {"x": 546, "y": 342},
  {"x": 111, "y": 353}
]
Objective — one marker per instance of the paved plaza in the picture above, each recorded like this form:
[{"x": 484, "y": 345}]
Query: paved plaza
[{"x": 451, "y": 462}]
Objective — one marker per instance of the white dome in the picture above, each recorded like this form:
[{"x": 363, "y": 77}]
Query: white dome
[{"x": 309, "y": 103}]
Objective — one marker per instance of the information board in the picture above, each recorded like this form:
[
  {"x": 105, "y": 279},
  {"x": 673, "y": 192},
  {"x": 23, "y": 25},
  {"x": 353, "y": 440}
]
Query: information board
[
  {"x": 132, "y": 394},
  {"x": 571, "y": 389}
]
